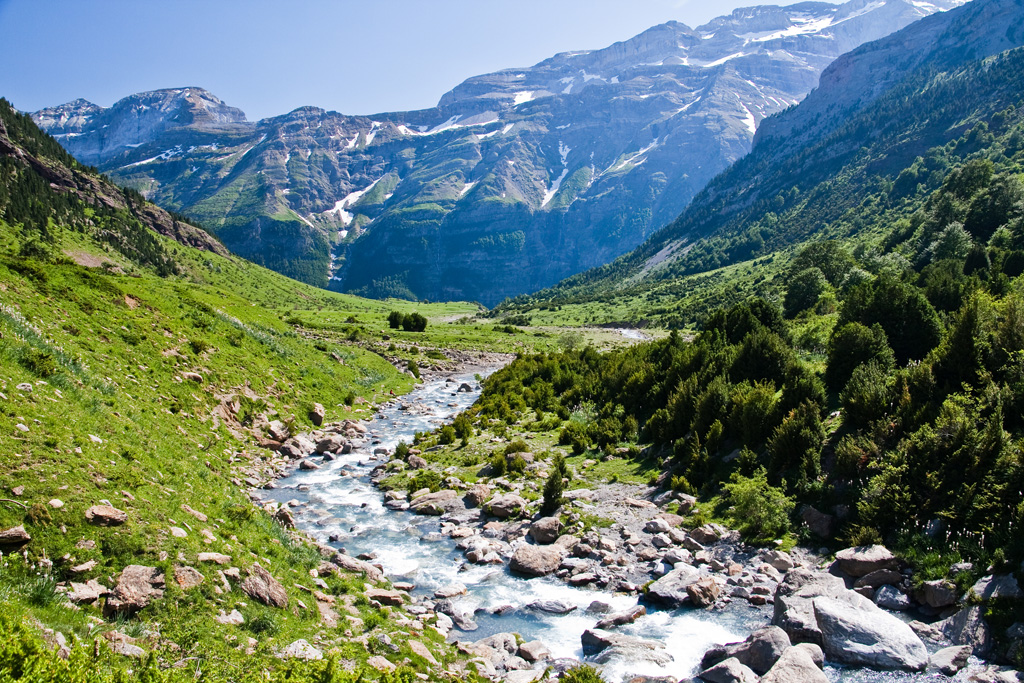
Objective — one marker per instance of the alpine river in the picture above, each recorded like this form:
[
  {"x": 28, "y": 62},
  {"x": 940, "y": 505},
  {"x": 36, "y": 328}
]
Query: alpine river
[{"x": 339, "y": 500}]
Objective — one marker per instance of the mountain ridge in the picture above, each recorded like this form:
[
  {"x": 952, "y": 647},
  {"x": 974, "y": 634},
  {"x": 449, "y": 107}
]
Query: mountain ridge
[{"x": 515, "y": 180}]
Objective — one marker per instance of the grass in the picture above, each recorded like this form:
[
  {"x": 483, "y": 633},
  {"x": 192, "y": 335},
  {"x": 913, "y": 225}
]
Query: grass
[{"x": 112, "y": 415}]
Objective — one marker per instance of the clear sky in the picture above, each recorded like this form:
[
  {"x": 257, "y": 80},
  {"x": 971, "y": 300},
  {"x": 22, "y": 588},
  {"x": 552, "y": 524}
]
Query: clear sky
[{"x": 268, "y": 57}]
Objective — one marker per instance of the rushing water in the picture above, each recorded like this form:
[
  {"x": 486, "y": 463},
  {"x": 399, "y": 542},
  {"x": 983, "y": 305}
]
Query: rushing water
[{"x": 339, "y": 500}]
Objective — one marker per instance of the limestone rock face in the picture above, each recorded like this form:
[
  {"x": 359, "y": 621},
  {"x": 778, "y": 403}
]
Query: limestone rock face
[{"x": 260, "y": 585}]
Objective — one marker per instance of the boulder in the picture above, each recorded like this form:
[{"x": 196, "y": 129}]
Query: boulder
[
  {"x": 864, "y": 635},
  {"x": 703, "y": 592},
  {"x": 938, "y": 593},
  {"x": 449, "y": 591},
  {"x": 217, "y": 558},
  {"x": 779, "y": 560},
  {"x": 795, "y": 666},
  {"x": 552, "y": 606},
  {"x": 670, "y": 590},
  {"x": 316, "y": 415},
  {"x": 84, "y": 593},
  {"x": 794, "y": 607},
  {"x": 330, "y": 444},
  {"x": 353, "y": 565},
  {"x": 233, "y": 618},
  {"x": 888, "y": 597},
  {"x": 301, "y": 649},
  {"x": 187, "y": 577},
  {"x": 506, "y": 506},
  {"x": 380, "y": 663},
  {"x": 950, "y": 660},
  {"x": 106, "y": 515},
  {"x": 622, "y": 618},
  {"x": 420, "y": 650},
  {"x": 477, "y": 494},
  {"x": 1001, "y": 586},
  {"x": 14, "y": 537},
  {"x": 433, "y": 503},
  {"x": 546, "y": 530},
  {"x": 386, "y": 597},
  {"x": 260, "y": 585},
  {"x": 308, "y": 465},
  {"x": 657, "y": 526},
  {"x": 126, "y": 649},
  {"x": 596, "y": 641},
  {"x": 534, "y": 651},
  {"x": 536, "y": 560},
  {"x": 416, "y": 462},
  {"x": 820, "y": 524},
  {"x": 862, "y": 560},
  {"x": 815, "y": 652},
  {"x": 968, "y": 627},
  {"x": 729, "y": 671},
  {"x": 135, "y": 588},
  {"x": 882, "y": 577},
  {"x": 759, "y": 651}
]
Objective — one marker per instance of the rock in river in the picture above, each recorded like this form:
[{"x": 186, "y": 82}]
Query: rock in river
[{"x": 536, "y": 560}]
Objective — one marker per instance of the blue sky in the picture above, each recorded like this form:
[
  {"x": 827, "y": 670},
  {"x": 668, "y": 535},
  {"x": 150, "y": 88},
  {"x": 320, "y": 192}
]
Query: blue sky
[{"x": 269, "y": 57}]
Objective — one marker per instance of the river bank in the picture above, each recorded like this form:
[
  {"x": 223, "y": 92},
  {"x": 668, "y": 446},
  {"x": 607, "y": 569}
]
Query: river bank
[{"x": 449, "y": 552}]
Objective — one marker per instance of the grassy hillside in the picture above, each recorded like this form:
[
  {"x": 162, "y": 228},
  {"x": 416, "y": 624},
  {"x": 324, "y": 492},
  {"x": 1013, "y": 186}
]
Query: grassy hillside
[{"x": 141, "y": 372}]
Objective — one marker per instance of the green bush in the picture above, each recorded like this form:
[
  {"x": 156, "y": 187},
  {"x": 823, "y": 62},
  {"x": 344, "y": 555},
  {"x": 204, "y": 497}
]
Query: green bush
[
  {"x": 760, "y": 511},
  {"x": 584, "y": 673},
  {"x": 447, "y": 435}
]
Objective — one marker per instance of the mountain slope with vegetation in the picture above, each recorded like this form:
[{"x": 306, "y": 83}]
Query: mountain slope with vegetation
[
  {"x": 149, "y": 378},
  {"x": 859, "y": 155},
  {"x": 515, "y": 180}
]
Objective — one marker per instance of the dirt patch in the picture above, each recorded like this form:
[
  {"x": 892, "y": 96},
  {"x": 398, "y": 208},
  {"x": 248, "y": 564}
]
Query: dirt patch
[{"x": 84, "y": 259}]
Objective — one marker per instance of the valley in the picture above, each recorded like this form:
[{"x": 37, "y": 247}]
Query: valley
[{"x": 772, "y": 430}]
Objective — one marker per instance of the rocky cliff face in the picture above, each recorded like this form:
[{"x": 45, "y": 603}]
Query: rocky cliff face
[{"x": 515, "y": 180}]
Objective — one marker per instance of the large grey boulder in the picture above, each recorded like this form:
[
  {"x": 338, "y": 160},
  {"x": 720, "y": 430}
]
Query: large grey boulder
[
  {"x": 864, "y": 635},
  {"x": 796, "y": 665},
  {"x": 891, "y": 598},
  {"x": 608, "y": 646},
  {"x": 968, "y": 627},
  {"x": 864, "y": 559},
  {"x": 536, "y": 560},
  {"x": 759, "y": 651},
  {"x": 938, "y": 593},
  {"x": 794, "y": 602},
  {"x": 948, "y": 661},
  {"x": 1000, "y": 586},
  {"x": 729, "y": 671},
  {"x": 670, "y": 590},
  {"x": 817, "y": 608}
]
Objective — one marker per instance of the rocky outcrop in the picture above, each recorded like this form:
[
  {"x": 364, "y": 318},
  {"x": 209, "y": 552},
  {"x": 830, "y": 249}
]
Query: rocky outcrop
[
  {"x": 864, "y": 560},
  {"x": 135, "y": 588},
  {"x": 817, "y": 608},
  {"x": 261, "y": 585}
]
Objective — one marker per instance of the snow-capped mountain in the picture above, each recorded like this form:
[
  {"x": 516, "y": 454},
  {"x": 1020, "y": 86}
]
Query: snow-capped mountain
[{"x": 515, "y": 180}]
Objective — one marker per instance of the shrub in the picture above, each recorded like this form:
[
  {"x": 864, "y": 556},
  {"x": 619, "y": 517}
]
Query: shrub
[
  {"x": 395, "y": 320},
  {"x": 447, "y": 434},
  {"x": 760, "y": 511},
  {"x": 498, "y": 465},
  {"x": 414, "y": 322},
  {"x": 517, "y": 446},
  {"x": 575, "y": 435},
  {"x": 867, "y": 394},
  {"x": 414, "y": 368},
  {"x": 584, "y": 673},
  {"x": 402, "y": 450}
]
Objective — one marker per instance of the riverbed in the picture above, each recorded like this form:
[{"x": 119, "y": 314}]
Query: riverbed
[{"x": 338, "y": 501}]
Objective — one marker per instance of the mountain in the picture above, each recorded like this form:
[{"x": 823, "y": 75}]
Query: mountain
[
  {"x": 514, "y": 181},
  {"x": 882, "y": 131}
]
